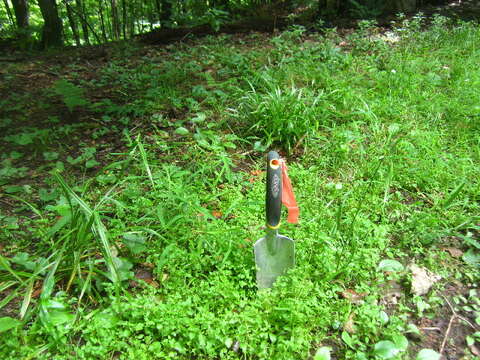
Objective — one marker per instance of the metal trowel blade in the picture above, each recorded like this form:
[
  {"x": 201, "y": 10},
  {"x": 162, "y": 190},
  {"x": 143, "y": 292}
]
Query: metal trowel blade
[{"x": 274, "y": 255}]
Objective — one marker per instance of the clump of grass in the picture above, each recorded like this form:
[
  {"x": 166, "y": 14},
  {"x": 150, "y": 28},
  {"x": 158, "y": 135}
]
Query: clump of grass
[{"x": 283, "y": 116}]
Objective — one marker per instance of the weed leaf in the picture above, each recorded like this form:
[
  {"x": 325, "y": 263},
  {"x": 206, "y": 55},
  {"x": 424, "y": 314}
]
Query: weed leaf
[
  {"x": 386, "y": 349},
  {"x": 7, "y": 323},
  {"x": 471, "y": 257},
  {"x": 428, "y": 354},
  {"x": 323, "y": 353},
  {"x": 134, "y": 242},
  {"x": 390, "y": 265}
]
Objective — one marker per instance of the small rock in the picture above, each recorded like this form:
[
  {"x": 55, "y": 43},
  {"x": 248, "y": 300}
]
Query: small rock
[{"x": 422, "y": 279}]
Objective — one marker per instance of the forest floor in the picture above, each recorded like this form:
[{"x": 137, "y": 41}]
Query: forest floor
[{"x": 132, "y": 190}]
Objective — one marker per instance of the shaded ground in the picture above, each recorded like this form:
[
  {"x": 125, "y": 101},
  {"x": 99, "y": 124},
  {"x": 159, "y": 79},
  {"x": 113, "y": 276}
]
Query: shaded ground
[
  {"x": 448, "y": 329},
  {"x": 466, "y": 10}
]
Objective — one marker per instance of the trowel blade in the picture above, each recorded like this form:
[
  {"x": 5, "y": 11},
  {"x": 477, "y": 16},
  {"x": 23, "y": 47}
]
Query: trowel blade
[{"x": 274, "y": 255}]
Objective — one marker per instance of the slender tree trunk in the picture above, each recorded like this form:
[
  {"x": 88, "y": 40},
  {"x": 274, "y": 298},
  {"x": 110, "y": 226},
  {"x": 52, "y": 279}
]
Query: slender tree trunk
[
  {"x": 9, "y": 13},
  {"x": 108, "y": 22},
  {"x": 52, "y": 24},
  {"x": 158, "y": 8},
  {"x": 102, "y": 20},
  {"x": 133, "y": 16},
  {"x": 141, "y": 13},
  {"x": 396, "y": 6},
  {"x": 151, "y": 20},
  {"x": 115, "y": 20},
  {"x": 73, "y": 23},
  {"x": 20, "y": 7},
  {"x": 166, "y": 11},
  {"x": 83, "y": 20},
  {"x": 124, "y": 19},
  {"x": 150, "y": 16},
  {"x": 220, "y": 4},
  {"x": 328, "y": 8}
]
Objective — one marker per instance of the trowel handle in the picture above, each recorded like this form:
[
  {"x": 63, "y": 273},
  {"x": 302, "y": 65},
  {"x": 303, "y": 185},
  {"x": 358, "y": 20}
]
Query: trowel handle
[{"x": 274, "y": 190}]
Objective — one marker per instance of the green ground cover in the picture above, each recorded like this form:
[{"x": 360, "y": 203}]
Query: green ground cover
[{"x": 132, "y": 197}]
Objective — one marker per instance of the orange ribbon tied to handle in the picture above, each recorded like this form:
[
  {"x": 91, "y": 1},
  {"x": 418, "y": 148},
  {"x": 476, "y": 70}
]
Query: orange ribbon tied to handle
[{"x": 288, "y": 197}]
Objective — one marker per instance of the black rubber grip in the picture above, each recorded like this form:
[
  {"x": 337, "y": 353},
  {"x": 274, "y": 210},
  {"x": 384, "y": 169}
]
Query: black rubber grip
[{"x": 274, "y": 189}]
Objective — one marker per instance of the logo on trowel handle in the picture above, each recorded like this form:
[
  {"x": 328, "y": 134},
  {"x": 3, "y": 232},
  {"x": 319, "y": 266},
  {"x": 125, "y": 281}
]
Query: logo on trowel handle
[{"x": 275, "y": 186}]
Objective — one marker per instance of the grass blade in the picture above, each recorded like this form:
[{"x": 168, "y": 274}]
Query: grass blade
[
  {"x": 100, "y": 232},
  {"x": 4, "y": 286},
  {"x": 453, "y": 195},
  {"x": 6, "y": 266},
  {"x": 143, "y": 154},
  {"x": 9, "y": 298},
  {"x": 26, "y": 299},
  {"x": 97, "y": 227}
]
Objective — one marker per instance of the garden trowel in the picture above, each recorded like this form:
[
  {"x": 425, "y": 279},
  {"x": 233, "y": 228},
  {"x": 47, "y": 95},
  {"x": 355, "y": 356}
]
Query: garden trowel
[{"x": 274, "y": 253}]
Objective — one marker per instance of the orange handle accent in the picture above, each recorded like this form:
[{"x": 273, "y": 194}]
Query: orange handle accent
[{"x": 288, "y": 197}]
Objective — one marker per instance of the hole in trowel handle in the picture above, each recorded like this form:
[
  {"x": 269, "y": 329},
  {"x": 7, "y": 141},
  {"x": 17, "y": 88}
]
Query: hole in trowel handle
[{"x": 275, "y": 163}]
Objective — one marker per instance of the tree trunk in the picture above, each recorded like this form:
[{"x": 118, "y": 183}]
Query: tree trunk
[
  {"x": 20, "y": 7},
  {"x": 102, "y": 20},
  {"x": 224, "y": 4},
  {"x": 396, "y": 6},
  {"x": 72, "y": 22},
  {"x": 9, "y": 12},
  {"x": 83, "y": 20},
  {"x": 151, "y": 16},
  {"x": 133, "y": 16},
  {"x": 166, "y": 11},
  {"x": 124, "y": 19},
  {"x": 52, "y": 24},
  {"x": 158, "y": 9},
  {"x": 115, "y": 20},
  {"x": 328, "y": 8}
]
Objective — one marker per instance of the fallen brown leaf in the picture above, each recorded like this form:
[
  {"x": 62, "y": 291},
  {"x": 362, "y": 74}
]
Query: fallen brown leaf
[
  {"x": 37, "y": 289},
  {"x": 254, "y": 175},
  {"x": 353, "y": 296},
  {"x": 454, "y": 252}
]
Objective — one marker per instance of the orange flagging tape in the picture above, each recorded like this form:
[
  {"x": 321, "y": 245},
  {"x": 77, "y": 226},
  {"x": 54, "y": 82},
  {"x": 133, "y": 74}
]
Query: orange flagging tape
[{"x": 288, "y": 197}]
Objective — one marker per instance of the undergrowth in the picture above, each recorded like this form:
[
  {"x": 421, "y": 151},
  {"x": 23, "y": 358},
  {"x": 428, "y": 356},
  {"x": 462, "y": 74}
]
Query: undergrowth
[{"x": 384, "y": 143}]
